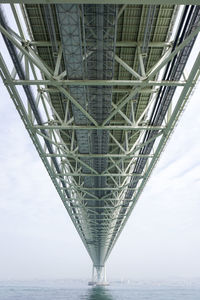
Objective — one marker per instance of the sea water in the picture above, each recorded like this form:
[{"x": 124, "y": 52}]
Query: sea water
[{"x": 118, "y": 290}]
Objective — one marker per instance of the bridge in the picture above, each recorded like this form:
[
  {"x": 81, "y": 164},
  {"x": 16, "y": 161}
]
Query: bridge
[{"x": 99, "y": 86}]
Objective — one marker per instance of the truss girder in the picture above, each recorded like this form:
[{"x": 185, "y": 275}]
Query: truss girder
[
  {"x": 92, "y": 22},
  {"x": 99, "y": 144}
]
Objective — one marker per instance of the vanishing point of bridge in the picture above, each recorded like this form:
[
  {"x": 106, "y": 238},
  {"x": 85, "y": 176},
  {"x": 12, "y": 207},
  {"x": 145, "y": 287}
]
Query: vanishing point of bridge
[{"x": 99, "y": 86}]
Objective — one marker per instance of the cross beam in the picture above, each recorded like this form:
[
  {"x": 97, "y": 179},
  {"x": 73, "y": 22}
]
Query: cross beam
[{"x": 145, "y": 2}]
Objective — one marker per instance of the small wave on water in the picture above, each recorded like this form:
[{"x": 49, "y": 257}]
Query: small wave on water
[{"x": 98, "y": 293}]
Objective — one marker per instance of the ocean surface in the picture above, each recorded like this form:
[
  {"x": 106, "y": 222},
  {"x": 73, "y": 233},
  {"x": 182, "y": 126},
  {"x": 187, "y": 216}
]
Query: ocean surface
[{"x": 117, "y": 290}]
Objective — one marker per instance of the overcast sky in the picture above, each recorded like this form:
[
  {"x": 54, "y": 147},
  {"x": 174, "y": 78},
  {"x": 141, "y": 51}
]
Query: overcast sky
[{"x": 162, "y": 236}]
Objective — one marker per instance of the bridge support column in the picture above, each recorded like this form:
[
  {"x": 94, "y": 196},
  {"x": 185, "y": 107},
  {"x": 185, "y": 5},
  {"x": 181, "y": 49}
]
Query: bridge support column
[{"x": 98, "y": 276}]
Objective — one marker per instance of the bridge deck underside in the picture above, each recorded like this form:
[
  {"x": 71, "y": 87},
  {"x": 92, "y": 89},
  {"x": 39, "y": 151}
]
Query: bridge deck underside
[{"x": 111, "y": 135}]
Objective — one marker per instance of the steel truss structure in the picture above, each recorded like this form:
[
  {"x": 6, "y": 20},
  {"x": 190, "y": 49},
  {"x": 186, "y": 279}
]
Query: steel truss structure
[{"x": 100, "y": 89}]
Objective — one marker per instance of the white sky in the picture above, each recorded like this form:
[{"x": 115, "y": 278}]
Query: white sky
[{"x": 38, "y": 240}]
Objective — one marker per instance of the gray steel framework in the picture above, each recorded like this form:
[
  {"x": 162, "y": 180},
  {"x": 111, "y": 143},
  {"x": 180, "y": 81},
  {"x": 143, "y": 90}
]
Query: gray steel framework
[{"x": 99, "y": 143}]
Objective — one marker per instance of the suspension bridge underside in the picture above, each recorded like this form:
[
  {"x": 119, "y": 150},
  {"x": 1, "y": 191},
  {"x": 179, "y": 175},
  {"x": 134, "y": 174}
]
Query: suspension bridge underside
[{"x": 99, "y": 88}]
